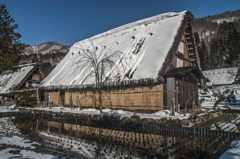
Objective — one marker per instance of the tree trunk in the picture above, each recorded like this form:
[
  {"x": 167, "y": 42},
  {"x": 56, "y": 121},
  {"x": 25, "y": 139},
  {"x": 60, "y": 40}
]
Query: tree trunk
[{"x": 100, "y": 99}]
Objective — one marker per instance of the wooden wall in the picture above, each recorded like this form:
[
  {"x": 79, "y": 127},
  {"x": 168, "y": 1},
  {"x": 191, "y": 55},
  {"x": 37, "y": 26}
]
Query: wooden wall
[
  {"x": 188, "y": 89},
  {"x": 139, "y": 97},
  {"x": 54, "y": 97},
  {"x": 183, "y": 53}
]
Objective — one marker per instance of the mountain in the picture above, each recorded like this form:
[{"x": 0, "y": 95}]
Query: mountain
[
  {"x": 49, "y": 54},
  {"x": 218, "y": 40},
  {"x": 46, "y": 48}
]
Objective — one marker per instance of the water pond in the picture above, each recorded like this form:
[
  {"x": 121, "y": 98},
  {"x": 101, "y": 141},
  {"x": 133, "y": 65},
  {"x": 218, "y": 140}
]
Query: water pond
[{"x": 36, "y": 137}]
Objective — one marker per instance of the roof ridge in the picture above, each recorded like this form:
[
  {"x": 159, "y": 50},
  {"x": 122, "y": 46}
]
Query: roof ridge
[{"x": 133, "y": 24}]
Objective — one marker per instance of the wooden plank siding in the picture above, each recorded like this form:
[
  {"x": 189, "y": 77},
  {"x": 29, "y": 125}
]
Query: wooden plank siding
[
  {"x": 183, "y": 54},
  {"x": 188, "y": 88}
]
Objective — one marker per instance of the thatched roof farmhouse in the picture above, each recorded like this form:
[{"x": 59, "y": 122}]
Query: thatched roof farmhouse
[{"x": 159, "y": 55}]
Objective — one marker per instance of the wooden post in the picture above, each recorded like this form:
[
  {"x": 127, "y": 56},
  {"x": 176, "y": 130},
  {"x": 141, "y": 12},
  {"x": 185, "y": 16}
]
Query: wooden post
[
  {"x": 37, "y": 98},
  {"x": 173, "y": 103},
  {"x": 186, "y": 105},
  {"x": 177, "y": 100},
  {"x": 48, "y": 130},
  {"x": 132, "y": 103},
  {"x": 71, "y": 103},
  {"x": 59, "y": 99},
  {"x": 110, "y": 104},
  {"x": 37, "y": 125},
  {"x": 193, "y": 108},
  {"x": 185, "y": 109},
  {"x": 171, "y": 107},
  {"x": 78, "y": 103}
]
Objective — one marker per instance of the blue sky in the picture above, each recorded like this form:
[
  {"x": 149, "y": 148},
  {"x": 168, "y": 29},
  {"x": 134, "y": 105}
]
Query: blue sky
[{"x": 69, "y": 21}]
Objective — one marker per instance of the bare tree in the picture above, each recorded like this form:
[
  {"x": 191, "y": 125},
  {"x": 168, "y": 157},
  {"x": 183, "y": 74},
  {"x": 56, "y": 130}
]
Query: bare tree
[
  {"x": 102, "y": 64},
  {"x": 221, "y": 96}
]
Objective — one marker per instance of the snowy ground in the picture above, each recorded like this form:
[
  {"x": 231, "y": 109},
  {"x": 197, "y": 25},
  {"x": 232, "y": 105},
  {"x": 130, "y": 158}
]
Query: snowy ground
[
  {"x": 209, "y": 99},
  {"x": 14, "y": 145},
  {"x": 234, "y": 152},
  {"x": 7, "y": 108},
  {"x": 121, "y": 113}
]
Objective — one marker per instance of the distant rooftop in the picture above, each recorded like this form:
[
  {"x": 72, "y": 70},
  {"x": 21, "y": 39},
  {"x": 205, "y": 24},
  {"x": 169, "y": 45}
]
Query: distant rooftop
[{"x": 221, "y": 76}]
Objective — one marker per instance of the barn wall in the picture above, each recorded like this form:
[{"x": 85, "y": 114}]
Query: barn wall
[
  {"x": 140, "y": 97},
  {"x": 54, "y": 97},
  {"x": 188, "y": 90}
]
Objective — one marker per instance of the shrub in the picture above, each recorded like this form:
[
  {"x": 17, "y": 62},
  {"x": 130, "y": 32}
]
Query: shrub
[{"x": 27, "y": 99}]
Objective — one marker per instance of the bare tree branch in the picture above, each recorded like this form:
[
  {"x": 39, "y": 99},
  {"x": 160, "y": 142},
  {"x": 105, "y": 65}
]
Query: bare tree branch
[{"x": 100, "y": 64}]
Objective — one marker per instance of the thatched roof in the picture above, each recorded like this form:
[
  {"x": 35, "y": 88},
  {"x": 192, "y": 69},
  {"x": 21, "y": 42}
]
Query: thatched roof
[
  {"x": 222, "y": 76},
  {"x": 11, "y": 81},
  {"x": 148, "y": 47}
]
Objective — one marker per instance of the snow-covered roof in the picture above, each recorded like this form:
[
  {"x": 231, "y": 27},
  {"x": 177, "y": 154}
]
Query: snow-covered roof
[
  {"x": 144, "y": 44},
  {"x": 9, "y": 80},
  {"x": 221, "y": 76}
]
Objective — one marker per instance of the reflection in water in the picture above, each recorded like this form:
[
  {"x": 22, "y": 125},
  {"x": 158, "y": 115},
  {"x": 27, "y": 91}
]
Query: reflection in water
[{"x": 100, "y": 142}]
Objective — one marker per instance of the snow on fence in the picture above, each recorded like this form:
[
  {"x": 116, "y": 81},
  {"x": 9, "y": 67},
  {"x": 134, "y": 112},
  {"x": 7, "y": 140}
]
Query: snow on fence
[{"x": 144, "y": 128}]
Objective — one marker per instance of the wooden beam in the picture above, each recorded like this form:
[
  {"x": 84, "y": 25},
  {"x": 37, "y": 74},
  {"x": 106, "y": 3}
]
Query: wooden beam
[
  {"x": 193, "y": 59},
  {"x": 189, "y": 49},
  {"x": 188, "y": 38},
  {"x": 192, "y": 54},
  {"x": 188, "y": 44}
]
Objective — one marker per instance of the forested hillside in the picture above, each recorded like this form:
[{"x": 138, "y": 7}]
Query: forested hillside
[{"x": 218, "y": 40}]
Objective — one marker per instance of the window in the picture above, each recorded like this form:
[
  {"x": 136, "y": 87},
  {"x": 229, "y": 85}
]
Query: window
[
  {"x": 36, "y": 77},
  {"x": 181, "y": 47},
  {"x": 179, "y": 62}
]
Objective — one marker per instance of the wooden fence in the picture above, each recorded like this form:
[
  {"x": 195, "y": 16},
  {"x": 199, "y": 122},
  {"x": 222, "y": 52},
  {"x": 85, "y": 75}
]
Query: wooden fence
[{"x": 141, "y": 128}]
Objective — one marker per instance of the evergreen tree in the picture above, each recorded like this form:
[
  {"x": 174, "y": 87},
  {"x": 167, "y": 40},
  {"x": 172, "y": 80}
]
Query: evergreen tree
[
  {"x": 10, "y": 47},
  {"x": 214, "y": 54},
  {"x": 221, "y": 54},
  {"x": 27, "y": 99},
  {"x": 232, "y": 47},
  {"x": 197, "y": 39},
  {"x": 203, "y": 54}
]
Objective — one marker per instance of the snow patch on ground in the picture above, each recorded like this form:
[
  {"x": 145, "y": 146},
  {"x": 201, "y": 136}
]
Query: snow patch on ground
[
  {"x": 7, "y": 108},
  {"x": 17, "y": 141},
  {"x": 234, "y": 152},
  {"x": 208, "y": 99},
  {"x": 11, "y": 136},
  {"x": 158, "y": 115}
]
